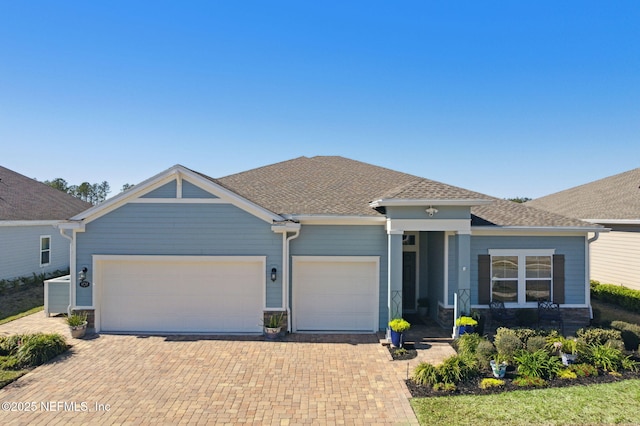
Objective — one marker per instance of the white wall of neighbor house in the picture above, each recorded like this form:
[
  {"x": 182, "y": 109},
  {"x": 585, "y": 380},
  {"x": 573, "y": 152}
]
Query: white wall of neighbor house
[
  {"x": 615, "y": 258},
  {"x": 20, "y": 250}
]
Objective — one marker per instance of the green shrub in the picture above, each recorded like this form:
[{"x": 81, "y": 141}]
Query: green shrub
[
  {"x": 597, "y": 336},
  {"x": 9, "y": 345},
  {"x": 537, "y": 364},
  {"x": 485, "y": 352},
  {"x": 584, "y": 370},
  {"x": 445, "y": 387},
  {"x": 457, "y": 368},
  {"x": 618, "y": 295},
  {"x": 399, "y": 325},
  {"x": 507, "y": 344},
  {"x": 425, "y": 374},
  {"x": 627, "y": 363},
  {"x": 39, "y": 348},
  {"x": 605, "y": 357},
  {"x": 567, "y": 374},
  {"x": 468, "y": 343},
  {"x": 527, "y": 382},
  {"x": 10, "y": 362},
  {"x": 615, "y": 343},
  {"x": 630, "y": 334},
  {"x": 535, "y": 343},
  {"x": 491, "y": 383}
]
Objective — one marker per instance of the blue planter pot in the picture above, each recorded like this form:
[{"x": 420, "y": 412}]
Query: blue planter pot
[
  {"x": 396, "y": 339},
  {"x": 464, "y": 329}
]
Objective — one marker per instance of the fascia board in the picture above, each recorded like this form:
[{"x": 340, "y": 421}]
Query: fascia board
[{"x": 429, "y": 201}]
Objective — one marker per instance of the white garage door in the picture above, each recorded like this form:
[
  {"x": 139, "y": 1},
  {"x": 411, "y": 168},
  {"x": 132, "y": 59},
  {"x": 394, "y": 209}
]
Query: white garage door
[
  {"x": 335, "y": 293},
  {"x": 180, "y": 294}
]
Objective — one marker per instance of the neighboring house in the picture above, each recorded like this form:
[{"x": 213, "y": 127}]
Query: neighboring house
[
  {"x": 615, "y": 203},
  {"x": 29, "y": 240},
  {"x": 338, "y": 244}
]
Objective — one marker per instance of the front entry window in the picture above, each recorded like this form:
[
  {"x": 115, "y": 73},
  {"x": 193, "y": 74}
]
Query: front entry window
[{"x": 521, "y": 276}]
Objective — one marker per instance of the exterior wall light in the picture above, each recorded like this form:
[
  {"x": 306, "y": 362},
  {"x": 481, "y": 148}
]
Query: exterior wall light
[
  {"x": 274, "y": 274},
  {"x": 82, "y": 274}
]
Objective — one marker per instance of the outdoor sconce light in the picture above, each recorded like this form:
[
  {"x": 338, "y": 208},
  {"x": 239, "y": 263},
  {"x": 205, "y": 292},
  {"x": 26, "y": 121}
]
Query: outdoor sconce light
[
  {"x": 274, "y": 274},
  {"x": 82, "y": 275}
]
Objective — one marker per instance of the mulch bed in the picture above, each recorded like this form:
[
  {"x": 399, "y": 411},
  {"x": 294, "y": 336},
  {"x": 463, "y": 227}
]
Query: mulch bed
[
  {"x": 408, "y": 351},
  {"x": 473, "y": 387}
]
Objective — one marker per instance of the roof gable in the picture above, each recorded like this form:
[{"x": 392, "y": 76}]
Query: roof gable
[
  {"x": 23, "y": 198},
  {"x": 615, "y": 197},
  {"x": 177, "y": 184}
]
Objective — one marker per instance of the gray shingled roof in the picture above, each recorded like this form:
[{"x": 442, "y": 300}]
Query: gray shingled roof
[
  {"x": 615, "y": 197},
  {"x": 326, "y": 185},
  {"x": 23, "y": 198}
]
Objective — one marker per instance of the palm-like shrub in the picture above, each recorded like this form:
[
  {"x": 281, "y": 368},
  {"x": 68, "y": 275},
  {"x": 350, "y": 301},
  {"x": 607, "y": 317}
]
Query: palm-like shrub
[
  {"x": 537, "y": 364},
  {"x": 39, "y": 348}
]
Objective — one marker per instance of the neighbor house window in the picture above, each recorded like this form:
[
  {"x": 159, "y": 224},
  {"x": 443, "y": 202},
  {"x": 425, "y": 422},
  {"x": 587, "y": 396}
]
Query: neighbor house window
[
  {"x": 45, "y": 250},
  {"x": 521, "y": 276}
]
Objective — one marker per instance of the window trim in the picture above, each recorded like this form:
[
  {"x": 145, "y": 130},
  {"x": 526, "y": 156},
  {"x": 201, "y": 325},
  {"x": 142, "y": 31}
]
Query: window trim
[
  {"x": 522, "y": 255},
  {"x": 41, "y": 250}
]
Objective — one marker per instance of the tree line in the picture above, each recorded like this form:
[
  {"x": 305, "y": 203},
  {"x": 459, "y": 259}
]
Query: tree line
[{"x": 93, "y": 193}]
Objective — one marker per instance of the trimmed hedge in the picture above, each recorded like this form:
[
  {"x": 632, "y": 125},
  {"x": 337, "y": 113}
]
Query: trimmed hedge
[{"x": 616, "y": 294}]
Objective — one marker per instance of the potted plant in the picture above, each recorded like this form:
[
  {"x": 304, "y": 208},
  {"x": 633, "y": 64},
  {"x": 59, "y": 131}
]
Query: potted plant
[
  {"x": 423, "y": 306},
  {"x": 273, "y": 326},
  {"x": 568, "y": 350},
  {"x": 398, "y": 326},
  {"x": 466, "y": 325},
  {"x": 77, "y": 324},
  {"x": 498, "y": 367}
]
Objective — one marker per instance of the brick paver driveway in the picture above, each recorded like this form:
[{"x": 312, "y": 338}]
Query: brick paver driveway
[{"x": 111, "y": 379}]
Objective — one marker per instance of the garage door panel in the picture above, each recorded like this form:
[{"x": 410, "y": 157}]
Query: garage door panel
[
  {"x": 181, "y": 296},
  {"x": 336, "y": 294}
]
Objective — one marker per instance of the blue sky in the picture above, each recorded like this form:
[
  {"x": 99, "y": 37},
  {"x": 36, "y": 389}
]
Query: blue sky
[{"x": 507, "y": 98}]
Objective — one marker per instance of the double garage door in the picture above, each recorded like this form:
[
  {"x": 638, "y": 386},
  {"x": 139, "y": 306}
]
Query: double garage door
[
  {"x": 180, "y": 294},
  {"x": 225, "y": 294}
]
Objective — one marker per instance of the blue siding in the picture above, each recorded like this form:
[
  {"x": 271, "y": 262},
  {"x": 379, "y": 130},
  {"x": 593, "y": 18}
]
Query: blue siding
[
  {"x": 165, "y": 191},
  {"x": 189, "y": 190},
  {"x": 20, "y": 251},
  {"x": 316, "y": 240},
  {"x": 572, "y": 247},
  {"x": 180, "y": 229}
]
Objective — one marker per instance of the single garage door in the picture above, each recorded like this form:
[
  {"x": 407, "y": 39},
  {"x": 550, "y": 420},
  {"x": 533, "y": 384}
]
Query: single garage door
[
  {"x": 167, "y": 294},
  {"x": 337, "y": 293}
]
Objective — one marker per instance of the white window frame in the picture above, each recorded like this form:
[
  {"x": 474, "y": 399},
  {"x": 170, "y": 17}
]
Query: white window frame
[
  {"x": 522, "y": 271},
  {"x": 41, "y": 250}
]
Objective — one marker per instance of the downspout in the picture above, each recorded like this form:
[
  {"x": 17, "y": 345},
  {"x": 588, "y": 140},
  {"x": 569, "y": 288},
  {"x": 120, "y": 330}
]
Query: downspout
[
  {"x": 286, "y": 278},
  {"x": 72, "y": 269},
  {"x": 589, "y": 241}
]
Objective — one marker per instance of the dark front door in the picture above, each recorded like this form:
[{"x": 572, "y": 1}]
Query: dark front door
[{"x": 408, "y": 281}]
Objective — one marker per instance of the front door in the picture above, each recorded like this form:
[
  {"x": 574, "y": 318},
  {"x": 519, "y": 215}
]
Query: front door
[{"x": 409, "y": 281}]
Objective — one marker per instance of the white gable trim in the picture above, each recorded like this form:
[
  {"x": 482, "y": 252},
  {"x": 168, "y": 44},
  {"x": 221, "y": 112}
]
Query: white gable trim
[
  {"x": 29, "y": 222},
  {"x": 428, "y": 202},
  {"x": 178, "y": 173}
]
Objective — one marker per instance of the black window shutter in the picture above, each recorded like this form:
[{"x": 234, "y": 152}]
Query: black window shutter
[
  {"x": 558, "y": 278},
  {"x": 484, "y": 279}
]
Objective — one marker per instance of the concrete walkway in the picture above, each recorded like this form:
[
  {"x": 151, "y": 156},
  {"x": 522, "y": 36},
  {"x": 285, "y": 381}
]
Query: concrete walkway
[{"x": 113, "y": 379}]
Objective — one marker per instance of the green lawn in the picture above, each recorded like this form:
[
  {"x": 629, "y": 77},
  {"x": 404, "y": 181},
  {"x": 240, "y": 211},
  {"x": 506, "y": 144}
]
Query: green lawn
[
  {"x": 8, "y": 376},
  {"x": 21, "y": 303},
  {"x": 608, "y": 403}
]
